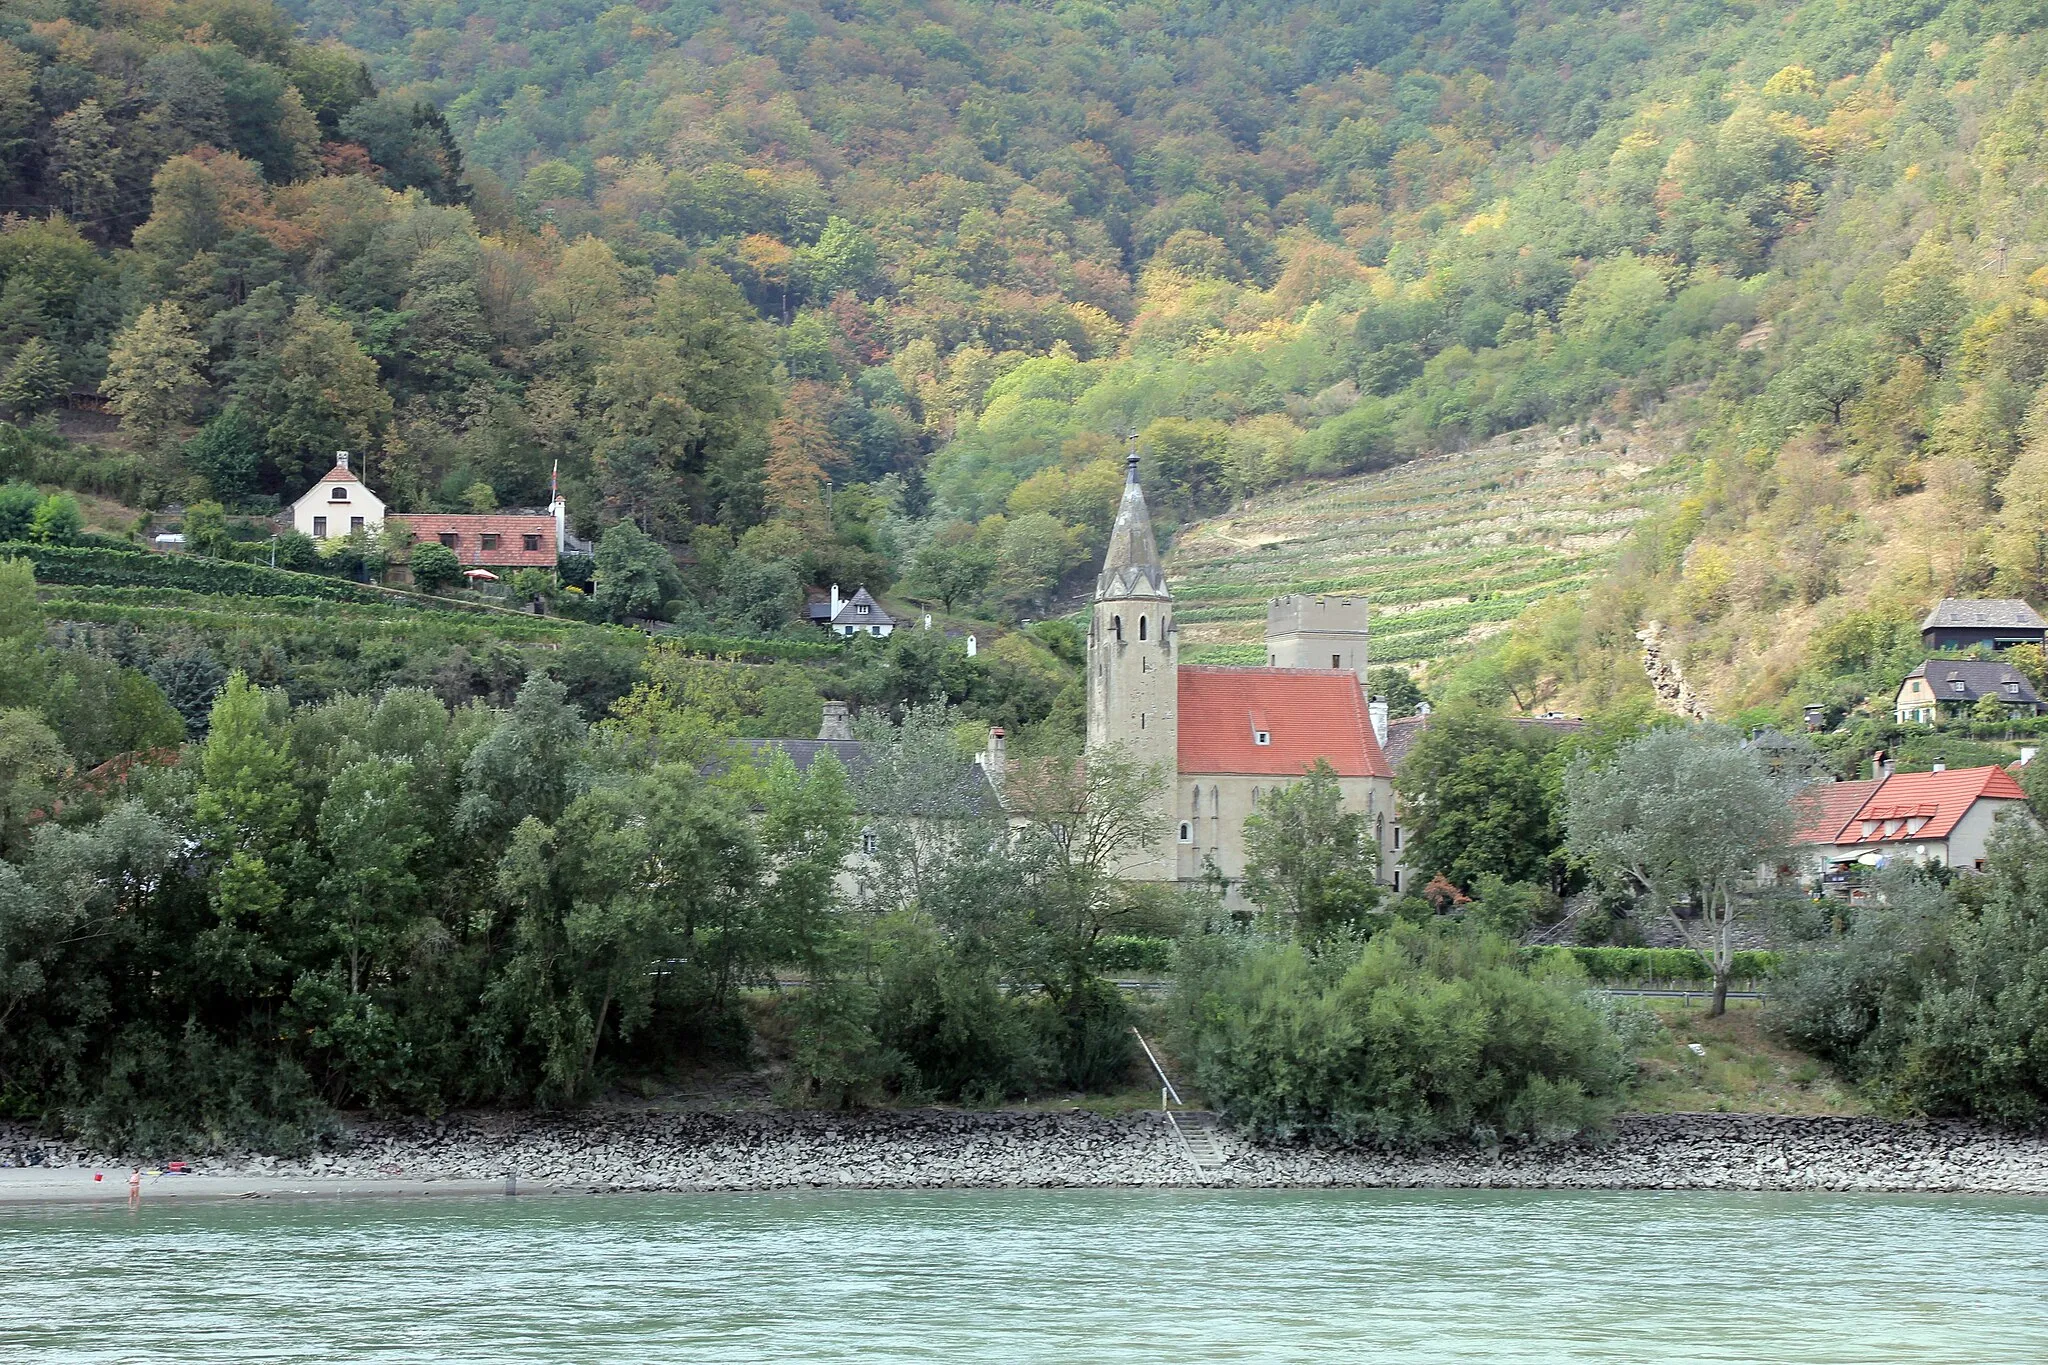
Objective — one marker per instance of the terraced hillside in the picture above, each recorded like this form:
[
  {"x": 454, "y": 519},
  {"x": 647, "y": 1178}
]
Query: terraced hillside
[{"x": 1447, "y": 548}]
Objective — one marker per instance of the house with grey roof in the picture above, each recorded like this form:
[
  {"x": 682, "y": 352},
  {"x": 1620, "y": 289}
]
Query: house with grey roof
[
  {"x": 1993, "y": 622},
  {"x": 859, "y": 614},
  {"x": 1947, "y": 687}
]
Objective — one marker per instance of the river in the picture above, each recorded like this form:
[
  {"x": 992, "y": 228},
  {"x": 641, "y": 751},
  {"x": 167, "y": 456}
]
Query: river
[{"x": 1033, "y": 1275}]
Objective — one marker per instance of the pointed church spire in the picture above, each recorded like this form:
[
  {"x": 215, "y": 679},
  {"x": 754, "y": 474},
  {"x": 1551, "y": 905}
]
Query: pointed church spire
[{"x": 1130, "y": 568}]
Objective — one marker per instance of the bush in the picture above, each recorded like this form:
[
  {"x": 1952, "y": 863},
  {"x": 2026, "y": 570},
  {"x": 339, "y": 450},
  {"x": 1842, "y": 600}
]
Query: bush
[
  {"x": 435, "y": 566},
  {"x": 959, "y": 1035},
  {"x": 1133, "y": 953},
  {"x": 1087, "y": 1035},
  {"x": 1420, "y": 1034}
]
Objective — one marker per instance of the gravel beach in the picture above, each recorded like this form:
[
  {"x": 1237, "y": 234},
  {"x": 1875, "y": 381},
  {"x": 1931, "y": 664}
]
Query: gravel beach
[{"x": 927, "y": 1149}]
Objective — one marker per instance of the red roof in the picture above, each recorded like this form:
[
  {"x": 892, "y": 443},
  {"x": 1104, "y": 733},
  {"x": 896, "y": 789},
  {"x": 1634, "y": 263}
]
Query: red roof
[
  {"x": 1915, "y": 806},
  {"x": 469, "y": 530},
  {"x": 1307, "y": 713},
  {"x": 1824, "y": 810},
  {"x": 338, "y": 474}
]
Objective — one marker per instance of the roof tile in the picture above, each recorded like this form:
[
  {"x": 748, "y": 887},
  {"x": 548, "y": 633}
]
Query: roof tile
[{"x": 1309, "y": 713}]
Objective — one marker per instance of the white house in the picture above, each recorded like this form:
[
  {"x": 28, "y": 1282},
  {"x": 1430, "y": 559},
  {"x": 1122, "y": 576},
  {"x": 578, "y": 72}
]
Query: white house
[
  {"x": 338, "y": 504},
  {"x": 1943, "y": 818},
  {"x": 859, "y": 614}
]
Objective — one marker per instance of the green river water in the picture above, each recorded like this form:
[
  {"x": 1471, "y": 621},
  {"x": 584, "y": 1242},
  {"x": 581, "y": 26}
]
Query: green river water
[{"x": 1034, "y": 1275}]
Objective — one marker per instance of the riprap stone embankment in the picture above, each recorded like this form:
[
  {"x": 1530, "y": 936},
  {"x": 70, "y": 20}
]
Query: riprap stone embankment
[{"x": 923, "y": 1149}]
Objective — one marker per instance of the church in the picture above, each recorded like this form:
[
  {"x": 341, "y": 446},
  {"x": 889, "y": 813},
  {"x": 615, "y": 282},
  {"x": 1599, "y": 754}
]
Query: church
[{"x": 1223, "y": 737}]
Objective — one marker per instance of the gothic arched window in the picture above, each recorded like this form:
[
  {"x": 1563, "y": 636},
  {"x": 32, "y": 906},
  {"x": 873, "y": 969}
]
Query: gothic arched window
[
  {"x": 1116, "y": 626},
  {"x": 1141, "y": 627}
]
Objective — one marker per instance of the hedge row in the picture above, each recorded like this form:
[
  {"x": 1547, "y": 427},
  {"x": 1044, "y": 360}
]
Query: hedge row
[
  {"x": 736, "y": 646},
  {"x": 101, "y": 567},
  {"x": 1133, "y": 953},
  {"x": 1657, "y": 964}
]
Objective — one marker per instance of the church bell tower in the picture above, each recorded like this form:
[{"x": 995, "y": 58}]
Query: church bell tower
[{"x": 1133, "y": 656}]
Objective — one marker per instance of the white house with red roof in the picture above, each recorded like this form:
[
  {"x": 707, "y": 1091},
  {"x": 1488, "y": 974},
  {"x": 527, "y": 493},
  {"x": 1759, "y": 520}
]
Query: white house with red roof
[
  {"x": 338, "y": 504},
  {"x": 1223, "y": 737},
  {"x": 341, "y": 503},
  {"x": 1943, "y": 818}
]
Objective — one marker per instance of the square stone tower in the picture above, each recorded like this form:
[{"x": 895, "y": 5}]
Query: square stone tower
[{"x": 1317, "y": 632}]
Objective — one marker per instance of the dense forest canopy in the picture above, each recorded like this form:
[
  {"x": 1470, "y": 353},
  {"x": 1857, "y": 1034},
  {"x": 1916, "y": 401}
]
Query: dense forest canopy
[{"x": 874, "y": 292}]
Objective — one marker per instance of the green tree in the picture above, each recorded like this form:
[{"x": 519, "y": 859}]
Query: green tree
[
  {"x": 228, "y": 453},
  {"x": 635, "y": 576},
  {"x": 1307, "y": 859},
  {"x": 153, "y": 372},
  {"x": 206, "y": 530},
  {"x": 1476, "y": 798},
  {"x": 686, "y": 408},
  {"x": 372, "y": 830},
  {"x": 57, "y": 520},
  {"x": 1923, "y": 305},
  {"x": 434, "y": 566},
  {"x": 1689, "y": 818},
  {"x": 35, "y": 381},
  {"x": 32, "y": 761}
]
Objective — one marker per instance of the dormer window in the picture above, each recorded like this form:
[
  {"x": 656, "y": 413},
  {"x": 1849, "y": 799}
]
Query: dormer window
[
  {"x": 1956, "y": 686},
  {"x": 860, "y": 611},
  {"x": 1262, "y": 736},
  {"x": 449, "y": 538},
  {"x": 2013, "y": 688}
]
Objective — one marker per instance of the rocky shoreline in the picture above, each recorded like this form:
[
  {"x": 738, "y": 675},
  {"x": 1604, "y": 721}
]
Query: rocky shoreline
[{"x": 932, "y": 1149}]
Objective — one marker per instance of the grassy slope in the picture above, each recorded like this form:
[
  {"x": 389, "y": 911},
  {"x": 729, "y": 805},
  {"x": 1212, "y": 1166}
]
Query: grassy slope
[
  {"x": 1744, "y": 1070},
  {"x": 1447, "y": 548}
]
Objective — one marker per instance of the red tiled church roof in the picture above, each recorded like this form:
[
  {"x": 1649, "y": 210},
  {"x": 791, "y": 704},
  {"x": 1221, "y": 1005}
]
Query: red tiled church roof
[
  {"x": 469, "y": 529},
  {"x": 1835, "y": 814},
  {"x": 1309, "y": 713}
]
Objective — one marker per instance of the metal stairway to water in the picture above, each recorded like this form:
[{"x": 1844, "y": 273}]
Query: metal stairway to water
[
  {"x": 1199, "y": 1138},
  {"x": 1201, "y": 1141}
]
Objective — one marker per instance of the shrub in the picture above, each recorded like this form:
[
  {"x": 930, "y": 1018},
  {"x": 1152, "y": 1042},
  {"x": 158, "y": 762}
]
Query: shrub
[
  {"x": 1418, "y": 1035},
  {"x": 434, "y": 566},
  {"x": 960, "y": 1036},
  {"x": 1934, "y": 1000}
]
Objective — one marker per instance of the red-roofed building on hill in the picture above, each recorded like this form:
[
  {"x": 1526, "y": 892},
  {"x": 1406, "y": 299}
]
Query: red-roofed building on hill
[
  {"x": 1943, "y": 818},
  {"x": 341, "y": 504},
  {"x": 1224, "y": 737}
]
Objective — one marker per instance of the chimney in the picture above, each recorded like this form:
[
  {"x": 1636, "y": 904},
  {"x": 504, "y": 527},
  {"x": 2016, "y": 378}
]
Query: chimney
[
  {"x": 835, "y": 603},
  {"x": 1377, "y": 709},
  {"x": 993, "y": 759},
  {"x": 341, "y": 459},
  {"x": 560, "y": 507},
  {"x": 838, "y": 721},
  {"x": 1880, "y": 764},
  {"x": 1422, "y": 708},
  {"x": 2027, "y": 752},
  {"x": 1941, "y": 764}
]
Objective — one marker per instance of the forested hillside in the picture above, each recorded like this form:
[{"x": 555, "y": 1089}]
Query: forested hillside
[{"x": 873, "y": 293}]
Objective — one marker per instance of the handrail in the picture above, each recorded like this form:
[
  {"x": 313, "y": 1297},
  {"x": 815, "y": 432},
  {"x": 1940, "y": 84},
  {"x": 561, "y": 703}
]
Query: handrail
[{"x": 1165, "y": 1081}]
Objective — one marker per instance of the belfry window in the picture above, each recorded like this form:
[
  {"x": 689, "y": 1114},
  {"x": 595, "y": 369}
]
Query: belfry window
[
  {"x": 1141, "y": 627},
  {"x": 1116, "y": 628}
]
